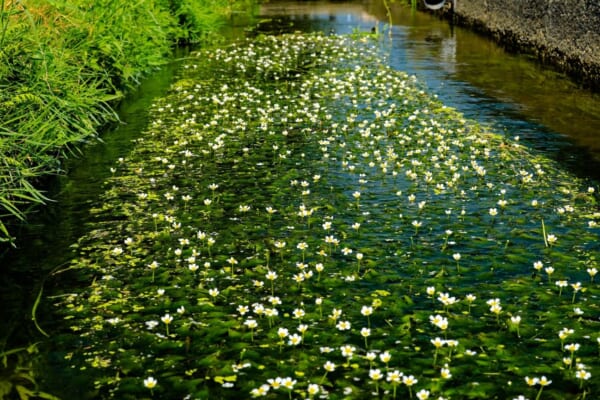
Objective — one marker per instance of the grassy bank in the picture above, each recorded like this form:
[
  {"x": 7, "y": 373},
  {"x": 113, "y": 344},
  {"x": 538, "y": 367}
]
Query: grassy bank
[{"x": 62, "y": 65}]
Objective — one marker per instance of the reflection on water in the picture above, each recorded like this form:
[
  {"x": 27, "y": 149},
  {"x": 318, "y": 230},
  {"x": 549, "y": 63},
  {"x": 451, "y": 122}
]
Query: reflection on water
[{"x": 467, "y": 71}]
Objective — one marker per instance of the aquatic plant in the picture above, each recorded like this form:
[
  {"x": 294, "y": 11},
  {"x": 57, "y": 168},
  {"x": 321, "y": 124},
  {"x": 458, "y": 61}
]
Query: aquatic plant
[
  {"x": 17, "y": 375},
  {"x": 442, "y": 302}
]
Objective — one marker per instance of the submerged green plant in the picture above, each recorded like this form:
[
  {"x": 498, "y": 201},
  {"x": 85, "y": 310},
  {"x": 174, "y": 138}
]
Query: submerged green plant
[
  {"x": 17, "y": 374},
  {"x": 318, "y": 320}
]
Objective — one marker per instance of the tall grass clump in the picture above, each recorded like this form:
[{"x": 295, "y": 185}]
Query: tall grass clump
[{"x": 62, "y": 65}]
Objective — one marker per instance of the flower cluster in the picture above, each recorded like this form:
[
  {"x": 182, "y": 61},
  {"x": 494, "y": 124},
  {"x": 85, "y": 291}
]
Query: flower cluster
[{"x": 300, "y": 220}]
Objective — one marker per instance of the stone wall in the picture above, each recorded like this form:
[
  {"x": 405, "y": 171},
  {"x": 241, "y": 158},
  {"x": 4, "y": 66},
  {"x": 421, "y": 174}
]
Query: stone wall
[{"x": 564, "y": 33}]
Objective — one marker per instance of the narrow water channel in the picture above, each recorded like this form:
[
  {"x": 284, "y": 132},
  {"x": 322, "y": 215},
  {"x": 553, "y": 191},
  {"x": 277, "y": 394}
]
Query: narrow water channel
[{"x": 469, "y": 72}]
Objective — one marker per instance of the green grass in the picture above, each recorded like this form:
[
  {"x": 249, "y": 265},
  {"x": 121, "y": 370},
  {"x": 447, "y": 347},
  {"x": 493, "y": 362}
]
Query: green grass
[{"x": 63, "y": 64}]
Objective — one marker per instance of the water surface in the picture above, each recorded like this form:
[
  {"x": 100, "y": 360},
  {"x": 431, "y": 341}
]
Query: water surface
[
  {"x": 514, "y": 93},
  {"x": 469, "y": 72}
]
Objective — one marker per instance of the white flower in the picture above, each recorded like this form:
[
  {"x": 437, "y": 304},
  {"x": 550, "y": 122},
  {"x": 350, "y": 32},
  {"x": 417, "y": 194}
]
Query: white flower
[
  {"x": 531, "y": 381},
  {"x": 565, "y": 332},
  {"x": 366, "y": 310},
  {"x": 150, "y": 382},
  {"x": 329, "y": 366},
  {"x": 439, "y": 321},
  {"x": 583, "y": 374},
  {"x": 288, "y": 383},
  {"x": 294, "y": 339},
  {"x": 423, "y": 394},
  {"x": 347, "y": 350},
  {"x": 260, "y": 391},
  {"x": 343, "y": 325},
  {"x": 385, "y": 357},
  {"x": 544, "y": 381},
  {"x": 282, "y": 332},
  {"x": 167, "y": 319},
  {"x": 394, "y": 376},
  {"x": 375, "y": 374},
  {"x": 251, "y": 323},
  {"x": 572, "y": 347},
  {"x": 445, "y": 372},
  {"x": 151, "y": 324},
  {"x": 271, "y": 275},
  {"x": 275, "y": 383},
  {"x": 409, "y": 380}
]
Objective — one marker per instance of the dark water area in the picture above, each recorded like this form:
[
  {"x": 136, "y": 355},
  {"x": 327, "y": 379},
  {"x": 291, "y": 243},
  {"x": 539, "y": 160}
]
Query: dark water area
[
  {"x": 469, "y": 72},
  {"x": 44, "y": 243}
]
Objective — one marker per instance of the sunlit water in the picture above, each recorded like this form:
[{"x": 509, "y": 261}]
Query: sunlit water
[{"x": 469, "y": 72}]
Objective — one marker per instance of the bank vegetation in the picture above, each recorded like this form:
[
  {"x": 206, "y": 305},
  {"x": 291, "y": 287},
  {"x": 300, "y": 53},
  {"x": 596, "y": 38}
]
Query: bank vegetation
[{"x": 64, "y": 64}]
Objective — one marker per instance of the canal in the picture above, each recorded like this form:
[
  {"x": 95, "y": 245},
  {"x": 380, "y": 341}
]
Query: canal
[
  {"x": 512, "y": 93},
  {"x": 469, "y": 72}
]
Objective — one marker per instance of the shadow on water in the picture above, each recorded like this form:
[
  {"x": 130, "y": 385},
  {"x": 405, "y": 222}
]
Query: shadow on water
[
  {"x": 44, "y": 242},
  {"x": 513, "y": 93}
]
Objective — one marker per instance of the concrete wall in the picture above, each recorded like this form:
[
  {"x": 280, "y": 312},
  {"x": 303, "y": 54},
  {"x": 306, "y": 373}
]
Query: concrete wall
[{"x": 565, "y": 33}]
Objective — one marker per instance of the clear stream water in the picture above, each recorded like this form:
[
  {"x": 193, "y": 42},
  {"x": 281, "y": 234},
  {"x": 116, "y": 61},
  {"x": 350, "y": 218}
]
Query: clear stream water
[
  {"x": 471, "y": 73},
  {"x": 514, "y": 93}
]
